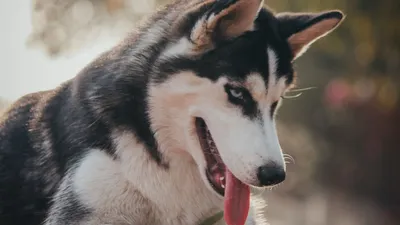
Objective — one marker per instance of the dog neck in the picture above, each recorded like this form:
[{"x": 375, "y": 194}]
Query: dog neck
[{"x": 175, "y": 191}]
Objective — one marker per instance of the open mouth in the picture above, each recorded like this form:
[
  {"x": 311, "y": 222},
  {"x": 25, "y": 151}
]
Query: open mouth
[
  {"x": 236, "y": 193},
  {"x": 215, "y": 170}
]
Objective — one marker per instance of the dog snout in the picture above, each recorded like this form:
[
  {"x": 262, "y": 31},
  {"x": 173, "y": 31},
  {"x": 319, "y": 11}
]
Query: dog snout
[{"x": 270, "y": 174}]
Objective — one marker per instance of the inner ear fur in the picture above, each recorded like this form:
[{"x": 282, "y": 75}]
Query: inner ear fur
[
  {"x": 225, "y": 19},
  {"x": 303, "y": 29}
]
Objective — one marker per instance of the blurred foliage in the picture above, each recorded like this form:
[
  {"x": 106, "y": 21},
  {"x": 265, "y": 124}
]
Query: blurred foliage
[
  {"x": 368, "y": 39},
  {"x": 355, "y": 109},
  {"x": 62, "y": 26}
]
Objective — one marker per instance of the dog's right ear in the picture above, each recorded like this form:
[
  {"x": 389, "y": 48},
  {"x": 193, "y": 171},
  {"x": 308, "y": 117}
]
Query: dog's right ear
[{"x": 224, "y": 20}]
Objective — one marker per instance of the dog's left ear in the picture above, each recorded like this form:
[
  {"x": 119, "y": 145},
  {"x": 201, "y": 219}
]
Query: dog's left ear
[
  {"x": 225, "y": 19},
  {"x": 302, "y": 29}
]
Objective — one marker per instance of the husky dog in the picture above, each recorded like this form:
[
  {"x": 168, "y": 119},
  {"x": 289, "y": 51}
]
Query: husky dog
[{"x": 170, "y": 127}]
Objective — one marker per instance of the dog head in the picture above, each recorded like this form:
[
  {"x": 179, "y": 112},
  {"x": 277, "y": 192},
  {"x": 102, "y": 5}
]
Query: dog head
[{"x": 219, "y": 81}]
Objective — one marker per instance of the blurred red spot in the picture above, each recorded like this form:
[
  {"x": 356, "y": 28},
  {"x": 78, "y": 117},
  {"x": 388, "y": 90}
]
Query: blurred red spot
[{"x": 337, "y": 92}]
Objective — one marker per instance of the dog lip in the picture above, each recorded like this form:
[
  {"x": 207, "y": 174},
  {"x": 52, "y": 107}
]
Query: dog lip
[{"x": 215, "y": 170}]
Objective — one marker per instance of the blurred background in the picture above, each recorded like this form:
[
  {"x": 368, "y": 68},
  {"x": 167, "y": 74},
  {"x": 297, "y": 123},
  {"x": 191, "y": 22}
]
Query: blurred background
[{"x": 344, "y": 135}]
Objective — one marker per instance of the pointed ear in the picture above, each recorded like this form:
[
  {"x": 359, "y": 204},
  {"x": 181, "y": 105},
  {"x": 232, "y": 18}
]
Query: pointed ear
[
  {"x": 225, "y": 19},
  {"x": 302, "y": 29}
]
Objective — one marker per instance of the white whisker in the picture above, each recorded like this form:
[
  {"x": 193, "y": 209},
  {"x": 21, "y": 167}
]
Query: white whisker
[
  {"x": 302, "y": 89},
  {"x": 289, "y": 157}
]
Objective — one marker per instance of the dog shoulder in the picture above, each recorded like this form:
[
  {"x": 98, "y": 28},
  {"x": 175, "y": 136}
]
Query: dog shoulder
[{"x": 20, "y": 164}]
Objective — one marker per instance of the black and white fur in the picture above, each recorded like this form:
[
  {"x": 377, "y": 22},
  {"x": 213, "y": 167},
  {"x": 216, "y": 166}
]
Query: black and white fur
[{"x": 117, "y": 143}]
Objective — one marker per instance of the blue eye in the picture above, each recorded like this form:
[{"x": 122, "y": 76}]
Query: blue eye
[
  {"x": 236, "y": 93},
  {"x": 241, "y": 98}
]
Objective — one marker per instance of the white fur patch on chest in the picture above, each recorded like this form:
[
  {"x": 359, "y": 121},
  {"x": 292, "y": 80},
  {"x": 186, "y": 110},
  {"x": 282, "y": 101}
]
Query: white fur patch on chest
[{"x": 135, "y": 190}]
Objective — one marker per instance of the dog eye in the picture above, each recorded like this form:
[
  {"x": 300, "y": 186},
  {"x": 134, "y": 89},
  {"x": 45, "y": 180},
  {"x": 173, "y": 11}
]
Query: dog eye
[{"x": 236, "y": 93}]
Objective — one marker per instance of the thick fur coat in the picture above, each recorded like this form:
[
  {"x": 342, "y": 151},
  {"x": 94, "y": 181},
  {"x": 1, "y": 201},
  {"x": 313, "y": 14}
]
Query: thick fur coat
[{"x": 117, "y": 144}]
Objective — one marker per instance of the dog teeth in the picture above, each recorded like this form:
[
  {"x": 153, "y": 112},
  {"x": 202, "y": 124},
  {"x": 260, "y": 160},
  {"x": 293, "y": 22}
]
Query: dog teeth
[{"x": 221, "y": 179}]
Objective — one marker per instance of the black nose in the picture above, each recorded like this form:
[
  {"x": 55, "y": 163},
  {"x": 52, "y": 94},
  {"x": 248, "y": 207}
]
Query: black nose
[{"x": 270, "y": 175}]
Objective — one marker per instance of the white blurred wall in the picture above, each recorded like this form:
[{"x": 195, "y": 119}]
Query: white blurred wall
[{"x": 26, "y": 70}]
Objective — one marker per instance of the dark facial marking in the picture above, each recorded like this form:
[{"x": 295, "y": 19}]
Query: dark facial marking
[
  {"x": 270, "y": 26},
  {"x": 245, "y": 101},
  {"x": 236, "y": 58}
]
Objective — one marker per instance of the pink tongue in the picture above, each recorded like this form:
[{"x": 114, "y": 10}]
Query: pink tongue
[{"x": 237, "y": 200}]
